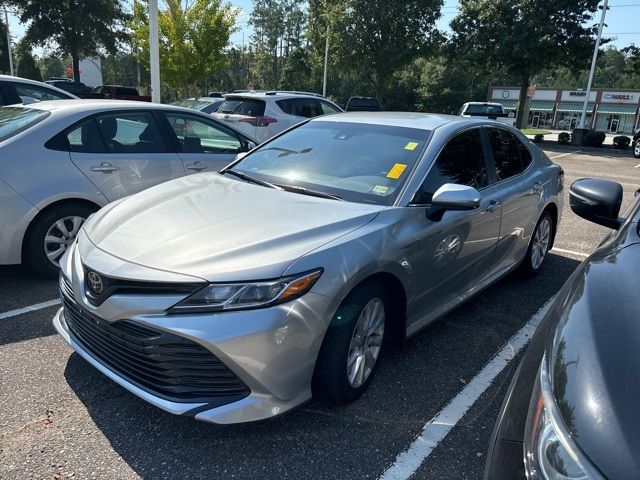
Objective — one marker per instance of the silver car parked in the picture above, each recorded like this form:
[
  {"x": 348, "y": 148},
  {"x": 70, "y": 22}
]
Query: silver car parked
[
  {"x": 60, "y": 161},
  {"x": 235, "y": 296}
]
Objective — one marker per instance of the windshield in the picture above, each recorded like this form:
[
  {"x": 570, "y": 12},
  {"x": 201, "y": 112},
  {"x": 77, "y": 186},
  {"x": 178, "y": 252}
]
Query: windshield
[
  {"x": 358, "y": 162},
  {"x": 14, "y": 120}
]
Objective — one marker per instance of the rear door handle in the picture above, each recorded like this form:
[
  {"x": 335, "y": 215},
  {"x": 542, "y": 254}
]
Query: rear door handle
[
  {"x": 493, "y": 204},
  {"x": 537, "y": 187},
  {"x": 197, "y": 166},
  {"x": 104, "y": 167}
]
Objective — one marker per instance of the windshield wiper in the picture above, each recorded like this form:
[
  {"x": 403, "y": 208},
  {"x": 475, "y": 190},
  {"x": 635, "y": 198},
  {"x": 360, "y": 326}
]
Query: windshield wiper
[
  {"x": 249, "y": 178},
  {"x": 308, "y": 191}
]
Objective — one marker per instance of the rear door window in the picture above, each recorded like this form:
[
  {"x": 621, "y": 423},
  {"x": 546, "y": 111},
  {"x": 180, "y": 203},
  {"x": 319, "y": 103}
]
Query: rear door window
[
  {"x": 86, "y": 138},
  {"x": 510, "y": 155},
  {"x": 38, "y": 93},
  {"x": 130, "y": 133},
  {"x": 461, "y": 161},
  {"x": 198, "y": 136},
  {"x": 328, "y": 108}
]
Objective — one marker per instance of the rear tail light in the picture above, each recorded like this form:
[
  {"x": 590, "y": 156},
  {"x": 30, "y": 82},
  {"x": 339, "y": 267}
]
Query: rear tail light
[{"x": 259, "y": 121}]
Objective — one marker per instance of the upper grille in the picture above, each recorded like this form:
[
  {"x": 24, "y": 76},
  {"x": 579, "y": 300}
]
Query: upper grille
[{"x": 169, "y": 366}]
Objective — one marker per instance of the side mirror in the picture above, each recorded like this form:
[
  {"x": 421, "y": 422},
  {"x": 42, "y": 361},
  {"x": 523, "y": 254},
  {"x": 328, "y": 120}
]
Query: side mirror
[
  {"x": 452, "y": 196},
  {"x": 597, "y": 200}
]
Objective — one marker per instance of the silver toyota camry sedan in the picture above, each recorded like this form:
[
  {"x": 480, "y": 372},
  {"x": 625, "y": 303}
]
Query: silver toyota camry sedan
[{"x": 236, "y": 296}]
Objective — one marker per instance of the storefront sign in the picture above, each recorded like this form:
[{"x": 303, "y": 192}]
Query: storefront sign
[
  {"x": 505, "y": 94},
  {"x": 577, "y": 96},
  {"x": 619, "y": 97}
]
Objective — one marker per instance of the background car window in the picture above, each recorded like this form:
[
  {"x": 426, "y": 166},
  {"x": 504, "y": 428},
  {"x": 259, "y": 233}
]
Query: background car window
[
  {"x": 307, "y": 107},
  {"x": 461, "y": 161},
  {"x": 327, "y": 108},
  {"x": 126, "y": 91},
  {"x": 197, "y": 136},
  {"x": 130, "y": 133},
  {"x": 243, "y": 106},
  {"x": 86, "y": 138},
  {"x": 510, "y": 155},
  {"x": 39, "y": 93}
]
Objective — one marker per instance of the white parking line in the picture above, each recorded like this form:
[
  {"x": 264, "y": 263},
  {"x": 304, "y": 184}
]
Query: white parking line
[
  {"x": 30, "y": 308},
  {"x": 570, "y": 252},
  {"x": 564, "y": 154},
  {"x": 638, "y": 165},
  {"x": 408, "y": 462}
]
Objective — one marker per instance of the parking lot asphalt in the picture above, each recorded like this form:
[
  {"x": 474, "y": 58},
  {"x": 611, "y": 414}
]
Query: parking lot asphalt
[{"x": 62, "y": 419}]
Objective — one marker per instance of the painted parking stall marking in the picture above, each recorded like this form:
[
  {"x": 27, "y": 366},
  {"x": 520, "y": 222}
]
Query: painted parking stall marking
[
  {"x": 408, "y": 462},
  {"x": 31, "y": 308}
]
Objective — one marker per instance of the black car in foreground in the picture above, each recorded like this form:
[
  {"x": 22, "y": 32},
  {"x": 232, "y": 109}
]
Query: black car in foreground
[{"x": 571, "y": 411}]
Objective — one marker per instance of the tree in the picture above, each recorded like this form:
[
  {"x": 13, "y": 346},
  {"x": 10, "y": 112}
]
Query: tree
[
  {"x": 51, "y": 65},
  {"x": 26, "y": 66},
  {"x": 4, "y": 50},
  {"x": 79, "y": 28},
  {"x": 376, "y": 37},
  {"x": 525, "y": 36},
  {"x": 193, "y": 39}
]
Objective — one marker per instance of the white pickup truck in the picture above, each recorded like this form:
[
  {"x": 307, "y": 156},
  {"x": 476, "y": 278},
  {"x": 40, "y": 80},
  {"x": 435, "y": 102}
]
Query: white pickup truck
[{"x": 494, "y": 111}]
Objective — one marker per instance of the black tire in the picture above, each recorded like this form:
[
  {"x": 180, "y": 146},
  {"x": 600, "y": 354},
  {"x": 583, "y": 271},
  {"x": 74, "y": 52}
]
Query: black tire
[
  {"x": 34, "y": 251},
  {"x": 527, "y": 267},
  {"x": 636, "y": 148},
  {"x": 330, "y": 379}
]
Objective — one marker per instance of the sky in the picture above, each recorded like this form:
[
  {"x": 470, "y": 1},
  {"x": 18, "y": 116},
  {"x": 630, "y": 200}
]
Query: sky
[{"x": 621, "y": 22}]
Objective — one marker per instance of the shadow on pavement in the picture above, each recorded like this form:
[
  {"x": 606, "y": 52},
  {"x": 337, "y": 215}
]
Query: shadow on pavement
[{"x": 358, "y": 440}]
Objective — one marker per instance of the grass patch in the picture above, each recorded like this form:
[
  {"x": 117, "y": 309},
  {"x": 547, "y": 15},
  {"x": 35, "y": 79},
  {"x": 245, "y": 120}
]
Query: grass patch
[{"x": 535, "y": 131}]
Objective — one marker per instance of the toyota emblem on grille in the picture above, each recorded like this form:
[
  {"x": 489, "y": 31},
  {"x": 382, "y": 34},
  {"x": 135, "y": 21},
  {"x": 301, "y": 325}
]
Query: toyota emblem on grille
[{"x": 95, "y": 283}]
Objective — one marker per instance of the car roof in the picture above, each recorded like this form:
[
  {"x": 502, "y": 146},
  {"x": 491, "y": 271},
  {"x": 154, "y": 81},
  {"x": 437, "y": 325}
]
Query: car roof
[
  {"x": 10, "y": 78},
  {"x": 423, "y": 121},
  {"x": 484, "y": 103},
  {"x": 100, "y": 105}
]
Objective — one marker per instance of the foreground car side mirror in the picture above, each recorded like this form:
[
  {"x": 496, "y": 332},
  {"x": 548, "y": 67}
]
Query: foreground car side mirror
[
  {"x": 597, "y": 200},
  {"x": 452, "y": 196}
]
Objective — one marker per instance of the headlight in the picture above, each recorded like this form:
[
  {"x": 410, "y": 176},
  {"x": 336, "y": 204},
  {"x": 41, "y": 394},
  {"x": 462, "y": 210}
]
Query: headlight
[
  {"x": 549, "y": 450},
  {"x": 236, "y": 296}
]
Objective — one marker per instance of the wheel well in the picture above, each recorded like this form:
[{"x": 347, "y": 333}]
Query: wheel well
[
  {"x": 398, "y": 304},
  {"x": 553, "y": 210},
  {"x": 48, "y": 208}
]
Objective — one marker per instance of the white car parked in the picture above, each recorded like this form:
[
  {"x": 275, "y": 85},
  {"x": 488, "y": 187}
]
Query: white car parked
[
  {"x": 262, "y": 115},
  {"x": 61, "y": 161}
]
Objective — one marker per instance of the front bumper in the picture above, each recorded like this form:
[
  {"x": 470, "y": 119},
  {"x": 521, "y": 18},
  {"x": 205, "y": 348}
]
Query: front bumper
[{"x": 272, "y": 350}]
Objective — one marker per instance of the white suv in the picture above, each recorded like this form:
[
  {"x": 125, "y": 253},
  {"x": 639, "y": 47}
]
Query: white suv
[{"x": 262, "y": 115}]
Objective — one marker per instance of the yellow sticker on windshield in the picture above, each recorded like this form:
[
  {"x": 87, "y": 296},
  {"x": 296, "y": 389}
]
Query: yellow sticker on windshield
[
  {"x": 411, "y": 146},
  {"x": 396, "y": 171}
]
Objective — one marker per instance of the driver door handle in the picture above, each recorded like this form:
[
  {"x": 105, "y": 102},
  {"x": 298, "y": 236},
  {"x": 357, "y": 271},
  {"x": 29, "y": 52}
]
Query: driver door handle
[
  {"x": 197, "y": 166},
  {"x": 493, "y": 204},
  {"x": 104, "y": 167}
]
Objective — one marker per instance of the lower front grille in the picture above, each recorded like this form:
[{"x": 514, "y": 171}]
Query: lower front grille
[{"x": 166, "y": 365}]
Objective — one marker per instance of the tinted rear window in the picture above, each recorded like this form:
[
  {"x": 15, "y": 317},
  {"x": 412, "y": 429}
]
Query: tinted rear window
[
  {"x": 126, "y": 91},
  {"x": 243, "y": 106},
  {"x": 483, "y": 110},
  {"x": 364, "y": 103},
  {"x": 14, "y": 120}
]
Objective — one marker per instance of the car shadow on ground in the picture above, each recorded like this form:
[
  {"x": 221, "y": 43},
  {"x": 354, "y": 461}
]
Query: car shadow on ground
[{"x": 358, "y": 440}]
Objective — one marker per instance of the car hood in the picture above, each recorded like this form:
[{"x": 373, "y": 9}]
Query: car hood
[
  {"x": 596, "y": 359},
  {"x": 221, "y": 229}
]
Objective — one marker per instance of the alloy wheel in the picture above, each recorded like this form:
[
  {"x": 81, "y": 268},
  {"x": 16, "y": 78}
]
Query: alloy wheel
[
  {"x": 60, "y": 236},
  {"x": 540, "y": 244},
  {"x": 636, "y": 149},
  {"x": 366, "y": 342}
]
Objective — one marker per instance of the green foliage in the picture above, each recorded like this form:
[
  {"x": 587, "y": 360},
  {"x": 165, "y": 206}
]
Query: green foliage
[
  {"x": 525, "y": 36},
  {"x": 4, "y": 51},
  {"x": 193, "y": 38},
  {"x": 538, "y": 138},
  {"x": 564, "y": 138},
  {"x": 122, "y": 69},
  {"x": 594, "y": 139},
  {"x": 621, "y": 141},
  {"x": 26, "y": 66},
  {"x": 79, "y": 28},
  {"x": 51, "y": 65}
]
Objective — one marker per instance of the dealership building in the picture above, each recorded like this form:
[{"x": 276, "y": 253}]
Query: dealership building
[{"x": 608, "y": 110}]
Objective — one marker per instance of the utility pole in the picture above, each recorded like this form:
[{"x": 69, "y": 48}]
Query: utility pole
[
  {"x": 583, "y": 116},
  {"x": 154, "y": 47},
  {"x": 326, "y": 60},
  {"x": 9, "y": 50}
]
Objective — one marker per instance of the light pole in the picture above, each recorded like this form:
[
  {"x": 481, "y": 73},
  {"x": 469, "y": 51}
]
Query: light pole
[
  {"x": 10, "y": 54},
  {"x": 326, "y": 60},
  {"x": 154, "y": 47},
  {"x": 583, "y": 116}
]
